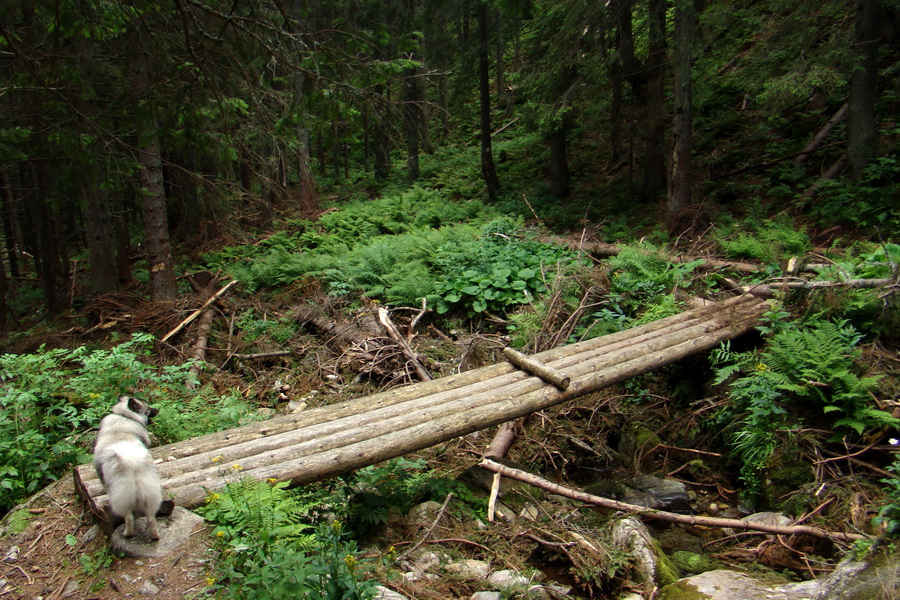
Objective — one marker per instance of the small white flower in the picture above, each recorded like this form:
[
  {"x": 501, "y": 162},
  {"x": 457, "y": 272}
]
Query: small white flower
[{"x": 894, "y": 442}]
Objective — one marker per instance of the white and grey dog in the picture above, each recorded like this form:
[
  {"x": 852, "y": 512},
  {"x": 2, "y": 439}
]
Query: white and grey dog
[{"x": 123, "y": 462}]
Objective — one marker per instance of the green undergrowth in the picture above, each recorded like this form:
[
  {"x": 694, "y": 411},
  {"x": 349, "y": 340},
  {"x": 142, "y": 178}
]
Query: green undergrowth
[
  {"x": 808, "y": 372},
  {"x": 53, "y": 398},
  {"x": 459, "y": 257},
  {"x": 274, "y": 542}
]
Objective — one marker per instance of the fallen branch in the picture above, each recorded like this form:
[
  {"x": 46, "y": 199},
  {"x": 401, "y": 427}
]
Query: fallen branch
[
  {"x": 199, "y": 311},
  {"x": 767, "y": 289},
  {"x": 650, "y": 513},
  {"x": 262, "y": 355},
  {"x": 548, "y": 374},
  {"x": 820, "y": 136},
  {"x": 434, "y": 523},
  {"x": 394, "y": 334}
]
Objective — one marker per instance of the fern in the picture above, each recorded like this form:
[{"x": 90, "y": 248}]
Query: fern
[{"x": 812, "y": 365}]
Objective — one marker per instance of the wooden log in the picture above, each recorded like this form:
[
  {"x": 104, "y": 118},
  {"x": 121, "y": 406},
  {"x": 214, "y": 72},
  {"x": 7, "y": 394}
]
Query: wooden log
[
  {"x": 534, "y": 367},
  {"x": 340, "y": 447},
  {"x": 820, "y": 136},
  {"x": 502, "y": 378},
  {"x": 661, "y": 515}
]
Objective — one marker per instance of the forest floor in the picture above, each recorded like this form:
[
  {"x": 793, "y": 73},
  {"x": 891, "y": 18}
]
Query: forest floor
[{"x": 62, "y": 554}]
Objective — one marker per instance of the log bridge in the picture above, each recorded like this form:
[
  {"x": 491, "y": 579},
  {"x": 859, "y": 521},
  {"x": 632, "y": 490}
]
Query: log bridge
[{"x": 340, "y": 438}]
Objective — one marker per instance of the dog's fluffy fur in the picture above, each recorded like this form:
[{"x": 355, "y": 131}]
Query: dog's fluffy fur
[{"x": 124, "y": 464}]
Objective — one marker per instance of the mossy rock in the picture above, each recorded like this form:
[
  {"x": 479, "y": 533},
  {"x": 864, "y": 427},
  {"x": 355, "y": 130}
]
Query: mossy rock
[{"x": 692, "y": 563}]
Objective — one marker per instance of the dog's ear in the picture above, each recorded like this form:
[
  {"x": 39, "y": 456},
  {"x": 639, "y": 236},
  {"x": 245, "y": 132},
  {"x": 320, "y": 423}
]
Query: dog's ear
[{"x": 135, "y": 405}]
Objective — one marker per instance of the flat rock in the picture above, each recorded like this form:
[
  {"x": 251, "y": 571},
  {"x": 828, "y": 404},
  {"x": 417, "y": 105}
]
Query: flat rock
[
  {"x": 731, "y": 585},
  {"x": 173, "y": 530},
  {"x": 485, "y": 596},
  {"x": 469, "y": 569},
  {"x": 508, "y": 580},
  {"x": 383, "y": 593}
]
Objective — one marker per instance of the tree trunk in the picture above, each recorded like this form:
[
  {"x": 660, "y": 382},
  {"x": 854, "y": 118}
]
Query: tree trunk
[
  {"x": 679, "y": 196},
  {"x": 156, "y": 226},
  {"x": 411, "y": 118},
  {"x": 559, "y": 162},
  {"x": 100, "y": 235},
  {"x": 654, "y": 133},
  {"x": 8, "y": 207},
  {"x": 488, "y": 172},
  {"x": 304, "y": 173},
  {"x": 861, "y": 126},
  {"x": 382, "y": 140}
]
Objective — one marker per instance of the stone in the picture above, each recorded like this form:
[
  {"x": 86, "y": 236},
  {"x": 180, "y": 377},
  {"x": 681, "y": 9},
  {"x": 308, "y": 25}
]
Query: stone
[
  {"x": 71, "y": 588},
  {"x": 383, "y": 593},
  {"x": 652, "y": 567},
  {"x": 174, "y": 531},
  {"x": 91, "y": 534},
  {"x": 529, "y": 512},
  {"x": 3, "y": 583},
  {"x": 665, "y": 494},
  {"x": 675, "y": 538},
  {"x": 148, "y": 588},
  {"x": 485, "y": 596},
  {"x": 469, "y": 569},
  {"x": 693, "y": 563},
  {"x": 731, "y": 585},
  {"x": 538, "y": 592},
  {"x": 508, "y": 580},
  {"x": 768, "y": 518},
  {"x": 12, "y": 555},
  {"x": 875, "y": 577},
  {"x": 424, "y": 514}
]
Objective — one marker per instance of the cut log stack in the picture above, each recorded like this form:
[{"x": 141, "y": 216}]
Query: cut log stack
[{"x": 337, "y": 439}]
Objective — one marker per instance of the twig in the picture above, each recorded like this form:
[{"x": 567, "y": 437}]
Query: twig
[
  {"x": 22, "y": 571},
  {"x": 392, "y": 332},
  {"x": 492, "y": 500},
  {"x": 199, "y": 311},
  {"x": 262, "y": 354},
  {"x": 430, "y": 529},
  {"x": 555, "y": 488},
  {"x": 703, "y": 452}
]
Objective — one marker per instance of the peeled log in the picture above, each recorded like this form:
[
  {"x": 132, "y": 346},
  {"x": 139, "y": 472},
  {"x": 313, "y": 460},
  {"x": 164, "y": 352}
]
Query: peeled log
[{"x": 334, "y": 440}]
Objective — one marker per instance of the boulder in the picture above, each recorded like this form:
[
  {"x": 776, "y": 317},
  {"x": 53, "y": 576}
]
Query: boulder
[
  {"x": 174, "y": 531},
  {"x": 731, "y": 585},
  {"x": 652, "y": 568}
]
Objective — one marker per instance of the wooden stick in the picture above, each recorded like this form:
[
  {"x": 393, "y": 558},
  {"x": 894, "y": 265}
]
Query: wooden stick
[
  {"x": 546, "y": 373},
  {"x": 394, "y": 334},
  {"x": 662, "y": 515},
  {"x": 428, "y": 533},
  {"x": 199, "y": 311}
]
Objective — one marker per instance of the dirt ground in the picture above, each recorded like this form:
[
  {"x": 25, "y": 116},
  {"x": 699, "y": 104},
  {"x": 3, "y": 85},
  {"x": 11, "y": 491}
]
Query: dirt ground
[{"x": 51, "y": 565}]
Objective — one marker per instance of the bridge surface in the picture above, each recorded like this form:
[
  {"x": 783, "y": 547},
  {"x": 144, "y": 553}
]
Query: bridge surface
[{"x": 340, "y": 438}]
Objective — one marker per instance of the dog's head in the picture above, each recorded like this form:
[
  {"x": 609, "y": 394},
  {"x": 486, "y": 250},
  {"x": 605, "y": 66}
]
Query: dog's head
[{"x": 134, "y": 408}]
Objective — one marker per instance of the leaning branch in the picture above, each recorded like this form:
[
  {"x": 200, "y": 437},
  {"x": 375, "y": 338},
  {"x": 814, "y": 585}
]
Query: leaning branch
[
  {"x": 555, "y": 488},
  {"x": 199, "y": 311}
]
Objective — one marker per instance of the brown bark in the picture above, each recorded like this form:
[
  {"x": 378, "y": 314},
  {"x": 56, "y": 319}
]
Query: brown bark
[
  {"x": 488, "y": 171},
  {"x": 680, "y": 174},
  {"x": 156, "y": 226},
  {"x": 661, "y": 515},
  {"x": 861, "y": 126},
  {"x": 99, "y": 232},
  {"x": 820, "y": 136},
  {"x": 654, "y": 129},
  {"x": 548, "y": 374},
  {"x": 337, "y": 439}
]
